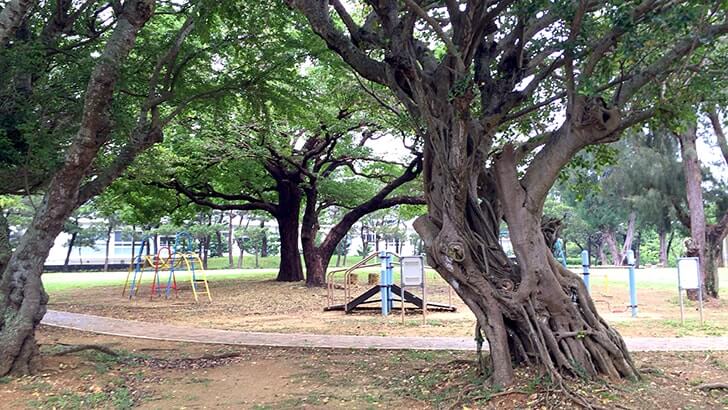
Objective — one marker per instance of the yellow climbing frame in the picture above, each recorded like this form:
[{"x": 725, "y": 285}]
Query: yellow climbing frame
[
  {"x": 198, "y": 276},
  {"x": 147, "y": 262}
]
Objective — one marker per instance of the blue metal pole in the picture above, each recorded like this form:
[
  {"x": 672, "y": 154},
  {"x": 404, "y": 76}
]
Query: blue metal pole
[
  {"x": 632, "y": 286},
  {"x": 391, "y": 281},
  {"x": 585, "y": 268},
  {"x": 383, "y": 283},
  {"x": 139, "y": 266},
  {"x": 167, "y": 291}
]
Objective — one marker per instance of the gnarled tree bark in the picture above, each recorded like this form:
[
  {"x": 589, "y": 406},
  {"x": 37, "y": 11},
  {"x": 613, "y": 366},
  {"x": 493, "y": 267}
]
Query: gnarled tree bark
[
  {"x": 11, "y": 16},
  {"x": 5, "y": 249},
  {"x": 533, "y": 311},
  {"x": 22, "y": 297}
]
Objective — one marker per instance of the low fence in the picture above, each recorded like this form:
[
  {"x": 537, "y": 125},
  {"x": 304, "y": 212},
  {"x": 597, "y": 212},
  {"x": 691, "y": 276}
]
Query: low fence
[{"x": 90, "y": 267}]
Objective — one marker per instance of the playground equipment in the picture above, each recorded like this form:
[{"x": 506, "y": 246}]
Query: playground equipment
[
  {"x": 413, "y": 275},
  {"x": 136, "y": 269},
  {"x": 171, "y": 280},
  {"x": 192, "y": 263},
  {"x": 181, "y": 257}
]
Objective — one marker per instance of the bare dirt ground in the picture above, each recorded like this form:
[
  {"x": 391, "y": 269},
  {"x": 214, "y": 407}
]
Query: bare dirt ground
[
  {"x": 160, "y": 375},
  {"x": 269, "y": 306}
]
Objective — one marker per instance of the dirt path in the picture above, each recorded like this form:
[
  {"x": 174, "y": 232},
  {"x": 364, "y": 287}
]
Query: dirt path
[
  {"x": 152, "y": 374},
  {"x": 129, "y": 328}
]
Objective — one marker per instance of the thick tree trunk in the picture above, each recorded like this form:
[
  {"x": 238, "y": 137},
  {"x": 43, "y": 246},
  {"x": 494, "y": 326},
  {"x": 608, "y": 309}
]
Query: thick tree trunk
[
  {"x": 22, "y": 298},
  {"x": 289, "y": 205},
  {"x": 317, "y": 261},
  {"x": 315, "y": 257},
  {"x": 536, "y": 312},
  {"x": 70, "y": 248},
  {"x": 715, "y": 235},
  {"x": 602, "y": 255},
  {"x": 11, "y": 17},
  {"x": 662, "y": 234},
  {"x": 5, "y": 248},
  {"x": 713, "y": 258},
  {"x": 609, "y": 237},
  {"x": 629, "y": 235},
  {"x": 694, "y": 191}
]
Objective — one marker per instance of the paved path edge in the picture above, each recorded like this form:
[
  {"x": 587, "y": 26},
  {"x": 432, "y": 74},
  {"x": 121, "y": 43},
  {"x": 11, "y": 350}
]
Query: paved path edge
[{"x": 156, "y": 331}]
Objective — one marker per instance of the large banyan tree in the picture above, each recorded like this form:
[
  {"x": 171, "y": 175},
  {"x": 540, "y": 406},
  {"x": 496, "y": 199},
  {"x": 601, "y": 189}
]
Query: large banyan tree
[{"x": 507, "y": 93}]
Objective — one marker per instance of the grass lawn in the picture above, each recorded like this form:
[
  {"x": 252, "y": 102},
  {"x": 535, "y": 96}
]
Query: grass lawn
[
  {"x": 61, "y": 281},
  {"x": 654, "y": 278}
]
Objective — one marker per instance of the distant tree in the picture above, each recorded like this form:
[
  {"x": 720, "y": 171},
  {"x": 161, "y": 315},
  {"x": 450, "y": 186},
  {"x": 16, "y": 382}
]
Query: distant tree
[
  {"x": 298, "y": 169},
  {"x": 706, "y": 238}
]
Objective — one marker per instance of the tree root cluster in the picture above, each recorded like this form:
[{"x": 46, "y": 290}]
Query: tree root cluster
[{"x": 79, "y": 348}]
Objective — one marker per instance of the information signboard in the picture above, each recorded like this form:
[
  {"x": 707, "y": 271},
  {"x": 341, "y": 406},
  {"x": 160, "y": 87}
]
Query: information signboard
[
  {"x": 688, "y": 277},
  {"x": 413, "y": 270},
  {"x": 688, "y": 273}
]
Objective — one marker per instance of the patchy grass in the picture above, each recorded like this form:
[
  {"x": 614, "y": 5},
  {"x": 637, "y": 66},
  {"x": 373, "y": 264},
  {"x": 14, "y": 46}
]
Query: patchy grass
[
  {"x": 692, "y": 327},
  {"x": 119, "y": 399}
]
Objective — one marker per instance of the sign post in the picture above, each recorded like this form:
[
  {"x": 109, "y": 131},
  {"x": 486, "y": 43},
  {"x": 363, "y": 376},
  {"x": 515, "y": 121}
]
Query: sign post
[
  {"x": 632, "y": 285},
  {"x": 688, "y": 277},
  {"x": 413, "y": 275},
  {"x": 585, "y": 268},
  {"x": 385, "y": 282}
]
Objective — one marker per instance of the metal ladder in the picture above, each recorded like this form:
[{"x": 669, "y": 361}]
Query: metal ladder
[{"x": 198, "y": 278}]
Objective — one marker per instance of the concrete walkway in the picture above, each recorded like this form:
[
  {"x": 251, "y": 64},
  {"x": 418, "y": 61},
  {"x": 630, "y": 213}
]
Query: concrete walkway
[{"x": 158, "y": 331}]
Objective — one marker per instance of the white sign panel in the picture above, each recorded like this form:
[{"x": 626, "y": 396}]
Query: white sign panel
[
  {"x": 688, "y": 273},
  {"x": 413, "y": 268}
]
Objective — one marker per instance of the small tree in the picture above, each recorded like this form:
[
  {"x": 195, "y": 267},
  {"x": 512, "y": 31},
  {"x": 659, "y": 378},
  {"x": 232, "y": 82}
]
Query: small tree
[{"x": 253, "y": 242}]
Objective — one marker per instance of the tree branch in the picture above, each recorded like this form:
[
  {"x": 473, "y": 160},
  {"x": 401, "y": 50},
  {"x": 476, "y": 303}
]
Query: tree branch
[
  {"x": 718, "y": 129},
  {"x": 451, "y": 48},
  {"x": 199, "y": 198},
  {"x": 317, "y": 13},
  {"x": 682, "y": 48}
]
